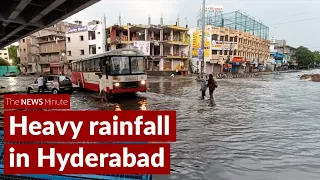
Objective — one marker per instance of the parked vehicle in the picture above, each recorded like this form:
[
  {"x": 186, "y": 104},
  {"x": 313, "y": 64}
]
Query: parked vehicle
[
  {"x": 11, "y": 74},
  {"x": 54, "y": 84}
]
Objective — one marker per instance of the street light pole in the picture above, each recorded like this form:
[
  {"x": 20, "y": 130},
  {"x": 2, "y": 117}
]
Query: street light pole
[{"x": 202, "y": 37}]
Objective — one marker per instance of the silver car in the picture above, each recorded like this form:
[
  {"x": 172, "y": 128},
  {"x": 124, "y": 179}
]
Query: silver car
[{"x": 53, "y": 84}]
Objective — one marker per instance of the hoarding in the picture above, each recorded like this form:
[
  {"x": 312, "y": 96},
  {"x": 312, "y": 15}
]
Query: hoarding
[
  {"x": 220, "y": 45},
  {"x": 196, "y": 43},
  {"x": 213, "y": 8},
  {"x": 77, "y": 29},
  {"x": 143, "y": 46}
]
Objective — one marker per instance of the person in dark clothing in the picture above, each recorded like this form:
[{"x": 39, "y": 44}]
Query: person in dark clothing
[{"x": 212, "y": 85}]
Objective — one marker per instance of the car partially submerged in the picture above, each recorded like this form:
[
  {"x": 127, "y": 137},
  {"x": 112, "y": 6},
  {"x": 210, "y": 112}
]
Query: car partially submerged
[
  {"x": 55, "y": 84},
  {"x": 11, "y": 74}
]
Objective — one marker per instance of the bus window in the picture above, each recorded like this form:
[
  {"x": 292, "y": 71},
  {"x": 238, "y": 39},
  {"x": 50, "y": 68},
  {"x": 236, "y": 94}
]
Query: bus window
[
  {"x": 137, "y": 65},
  {"x": 88, "y": 65},
  {"x": 108, "y": 65},
  {"x": 92, "y": 65},
  {"x": 80, "y": 68},
  {"x": 97, "y": 65},
  {"x": 120, "y": 65}
]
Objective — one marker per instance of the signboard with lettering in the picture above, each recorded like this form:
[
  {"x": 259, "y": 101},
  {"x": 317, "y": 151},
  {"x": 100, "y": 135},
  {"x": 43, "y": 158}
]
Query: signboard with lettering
[
  {"x": 213, "y": 8},
  {"x": 77, "y": 29},
  {"x": 144, "y": 46},
  {"x": 220, "y": 45}
]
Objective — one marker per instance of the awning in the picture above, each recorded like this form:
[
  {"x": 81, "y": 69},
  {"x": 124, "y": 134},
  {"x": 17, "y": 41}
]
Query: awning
[{"x": 55, "y": 65}]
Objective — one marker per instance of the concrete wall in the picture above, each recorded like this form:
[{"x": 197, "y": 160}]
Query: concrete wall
[
  {"x": 75, "y": 45},
  {"x": 4, "y": 54}
]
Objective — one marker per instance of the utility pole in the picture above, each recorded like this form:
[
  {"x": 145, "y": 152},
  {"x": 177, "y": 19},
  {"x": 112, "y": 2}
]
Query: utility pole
[{"x": 202, "y": 37}]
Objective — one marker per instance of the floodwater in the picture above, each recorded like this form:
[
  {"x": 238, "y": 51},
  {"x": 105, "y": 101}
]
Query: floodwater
[{"x": 262, "y": 128}]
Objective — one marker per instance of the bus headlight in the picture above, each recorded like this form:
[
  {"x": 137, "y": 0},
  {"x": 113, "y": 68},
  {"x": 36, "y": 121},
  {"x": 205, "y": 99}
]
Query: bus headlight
[
  {"x": 117, "y": 84},
  {"x": 143, "y": 82}
]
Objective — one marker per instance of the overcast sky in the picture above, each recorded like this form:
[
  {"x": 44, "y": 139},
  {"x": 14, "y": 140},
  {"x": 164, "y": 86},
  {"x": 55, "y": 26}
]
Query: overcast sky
[{"x": 273, "y": 13}]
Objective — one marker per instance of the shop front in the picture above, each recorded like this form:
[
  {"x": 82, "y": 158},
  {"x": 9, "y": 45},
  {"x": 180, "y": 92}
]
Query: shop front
[
  {"x": 56, "y": 68},
  {"x": 237, "y": 64}
]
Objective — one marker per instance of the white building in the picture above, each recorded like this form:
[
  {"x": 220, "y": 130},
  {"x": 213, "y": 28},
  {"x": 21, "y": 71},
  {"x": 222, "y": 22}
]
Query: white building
[
  {"x": 4, "y": 54},
  {"x": 84, "y": 41}
]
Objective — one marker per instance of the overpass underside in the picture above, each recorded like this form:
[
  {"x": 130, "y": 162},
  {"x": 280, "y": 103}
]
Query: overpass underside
[{"x": 20, "y": 18}]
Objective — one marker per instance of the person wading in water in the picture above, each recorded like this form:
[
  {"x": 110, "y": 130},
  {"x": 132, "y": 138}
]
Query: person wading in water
[{"x": 212, "y": 85}]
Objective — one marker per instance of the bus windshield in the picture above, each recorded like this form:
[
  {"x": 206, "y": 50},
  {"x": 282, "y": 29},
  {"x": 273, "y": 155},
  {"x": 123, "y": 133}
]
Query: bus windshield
[{"x": 121, "y": 65}]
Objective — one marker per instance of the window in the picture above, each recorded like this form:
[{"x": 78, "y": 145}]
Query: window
[
  {"x": 23, "y": 40},
  {"x": 120, "y": 65},
  {"x": 5, "y": 54},
  {"x": 221, "y": 38},
  {"x": 98, "y": 32},
  {"x": 69, "y": 53},
  {"x": 81, "y": 52},
  {"x": 99, "y": 47},
  {"x": 97, "y": 65},
  {"x": 214, "y": 52},
  {"x": 137, "y": 65},
  {"x": 69, "y": 39},
  {"x": 24, "y": 50},
  {"x": 225, "y": 52},
  {"x": 81, "y": 38},
  {"x": 214, "y": 37},
  {"x": 92, "y": 65},
  {"x": 0, "y": 53}
]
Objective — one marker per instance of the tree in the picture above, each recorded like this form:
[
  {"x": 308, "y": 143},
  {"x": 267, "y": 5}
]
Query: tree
[
  {"x": 13, "y": 55},
  {"x": 304, "y": 56},
  {"x": 4, "y": 62},
  {"x": 317, "y": 56}
]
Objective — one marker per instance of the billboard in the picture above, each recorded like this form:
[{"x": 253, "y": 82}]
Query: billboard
[
  {"x": 220, "y": 45},
  {"x": 143, "y": 46},
  {"x": 213, "y": 8},
  {"x": 196, "y": 43},
  {"x": 77, "y": 29}
]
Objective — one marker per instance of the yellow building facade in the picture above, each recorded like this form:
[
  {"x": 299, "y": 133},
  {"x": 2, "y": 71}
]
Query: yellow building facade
[{"x": 238, "y": 49}]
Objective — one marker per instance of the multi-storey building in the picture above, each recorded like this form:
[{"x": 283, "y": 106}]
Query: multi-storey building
[
  {"x": 44, "y": 51},
  {"x": 231, "y": 45},
  {"x": 166, "y": 45},
  {"x": 4, "y": 54},
  {"x": 84, "y": 41},
  {"x": 29, "y": 54}
]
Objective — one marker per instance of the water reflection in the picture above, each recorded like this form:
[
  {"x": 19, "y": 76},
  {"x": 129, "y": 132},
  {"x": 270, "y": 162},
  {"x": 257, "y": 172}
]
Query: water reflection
[{"x": 143, "y": 105}]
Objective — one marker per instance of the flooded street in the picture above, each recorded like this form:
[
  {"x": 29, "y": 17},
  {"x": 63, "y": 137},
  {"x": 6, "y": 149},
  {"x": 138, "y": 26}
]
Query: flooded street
[{"x": 260, "y": 128}]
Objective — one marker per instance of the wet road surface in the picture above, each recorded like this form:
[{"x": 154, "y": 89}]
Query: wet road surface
[{"x": 259, "y": 128}]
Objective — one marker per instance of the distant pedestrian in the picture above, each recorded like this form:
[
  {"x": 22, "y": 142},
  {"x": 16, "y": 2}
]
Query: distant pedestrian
[
  {"x": 203, "y": 87},
  {"x": 102, "y": 91},
  {"x": 212, "y": 85},
  {"x": 40, "y": 81}
]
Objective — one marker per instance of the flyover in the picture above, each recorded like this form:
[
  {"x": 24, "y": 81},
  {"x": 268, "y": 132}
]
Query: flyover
[{"x": 21, "y": 18}]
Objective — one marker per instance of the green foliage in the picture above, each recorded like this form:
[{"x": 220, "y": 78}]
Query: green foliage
[
  {"x": 4, "y": 62},
  {"x": 304, "y": 56},
  {"x": 13, "y": 55},
  {"x": 317, "y": 56}
]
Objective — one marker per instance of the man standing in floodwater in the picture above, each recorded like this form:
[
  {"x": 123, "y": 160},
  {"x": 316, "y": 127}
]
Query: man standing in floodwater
[
  {"x": 212, "y": 85},
  {"x": 102, "y": 91},
  {"x": 203, "y": 87}
]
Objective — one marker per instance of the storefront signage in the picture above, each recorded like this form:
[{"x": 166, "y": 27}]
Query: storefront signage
[
  {"x": 237, "y": 59},
  {"x": 220, "y": 45},
  {"x": 77, "y": 29}
]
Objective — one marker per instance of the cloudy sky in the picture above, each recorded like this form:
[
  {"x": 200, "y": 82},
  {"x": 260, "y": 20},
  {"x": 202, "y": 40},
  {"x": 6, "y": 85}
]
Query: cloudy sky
[{"x": 296, "y": 21}]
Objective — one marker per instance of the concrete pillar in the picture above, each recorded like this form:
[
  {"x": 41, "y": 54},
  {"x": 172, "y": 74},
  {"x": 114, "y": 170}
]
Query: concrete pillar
[
  {"x": 152, "y": 50},
  {"x": 171, "y": 35},
  {"x": 171, "y": 50},
  {"x": 146, "y": 34},
  {"x": 172, "y": 68},
  {"x": 161, "y": 35},
  {"x": 184, "y": 37},
  {"x": 161, "y": 64},
  {"x": 129, "y": 34},
  {"x": 152, "y": 34},
  {"x": 161, "y": 49}
]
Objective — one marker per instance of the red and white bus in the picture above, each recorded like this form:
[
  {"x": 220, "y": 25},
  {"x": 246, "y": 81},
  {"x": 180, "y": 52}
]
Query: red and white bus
[{"x": 124, "y": 71}]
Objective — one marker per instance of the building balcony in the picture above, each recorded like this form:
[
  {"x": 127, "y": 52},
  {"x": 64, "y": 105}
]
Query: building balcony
[{"x": 176, "y": 56}]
